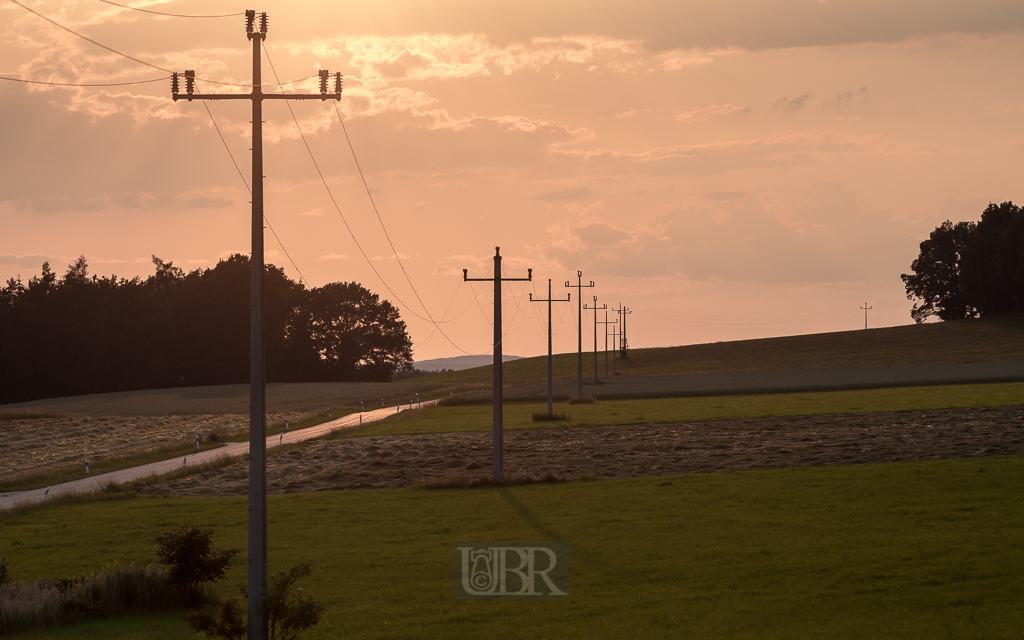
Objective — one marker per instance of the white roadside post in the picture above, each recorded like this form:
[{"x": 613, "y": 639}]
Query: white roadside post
[{"x": 87, "y": 466}]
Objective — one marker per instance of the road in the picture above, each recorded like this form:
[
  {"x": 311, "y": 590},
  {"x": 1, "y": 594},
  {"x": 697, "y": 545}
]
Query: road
[{"x": 232, "y": 450}]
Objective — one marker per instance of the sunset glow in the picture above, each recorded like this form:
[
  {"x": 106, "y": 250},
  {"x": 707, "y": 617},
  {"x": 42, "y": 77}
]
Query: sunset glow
[{"x": 727, "y": 170}]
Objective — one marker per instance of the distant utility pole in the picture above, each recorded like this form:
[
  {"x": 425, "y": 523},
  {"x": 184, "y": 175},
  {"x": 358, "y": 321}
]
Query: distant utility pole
[
  {"x": 257, "y": 569},
  {"x": 623, "y": 344},
  {"x": 579, "y": 350},
  {"x": 615, "y": 336},
  {"x": 865, "y": 308},
  {"x": 497, "y": 431},
  {"x": 595, "y": 309},
  {"x": 551, "y": 384},
  {"x": 606, "y": 322}
]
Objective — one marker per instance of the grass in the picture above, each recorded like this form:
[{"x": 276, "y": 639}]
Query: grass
[
  {"x": 659, "y": 410},
  {"x": 922, "y": 549},
  {"x": 35, "y": 480}
]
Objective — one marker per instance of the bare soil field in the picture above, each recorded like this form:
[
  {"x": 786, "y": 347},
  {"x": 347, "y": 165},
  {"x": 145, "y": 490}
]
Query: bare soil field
[{"x": 623, "y": 452}]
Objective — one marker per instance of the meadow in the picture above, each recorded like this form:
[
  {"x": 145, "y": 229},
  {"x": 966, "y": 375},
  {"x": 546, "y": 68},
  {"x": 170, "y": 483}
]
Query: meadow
[
  {"x": 924, "y": 549},
  {"x": 519, "y": 415}
]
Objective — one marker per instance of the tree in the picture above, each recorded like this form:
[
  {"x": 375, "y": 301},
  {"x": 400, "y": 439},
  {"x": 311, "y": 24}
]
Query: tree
[
  {"x": 936, "y": 279},
  {"x": 191, "y": 558},
  {"x": 993, "y": 261}
]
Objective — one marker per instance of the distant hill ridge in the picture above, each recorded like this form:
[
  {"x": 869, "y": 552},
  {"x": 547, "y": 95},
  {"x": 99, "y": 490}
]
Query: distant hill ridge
[{"x": 459, "y": 363}]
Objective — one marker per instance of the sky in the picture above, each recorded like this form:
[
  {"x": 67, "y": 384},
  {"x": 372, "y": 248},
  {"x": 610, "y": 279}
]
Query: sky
[{"x": 725, "y": 169}]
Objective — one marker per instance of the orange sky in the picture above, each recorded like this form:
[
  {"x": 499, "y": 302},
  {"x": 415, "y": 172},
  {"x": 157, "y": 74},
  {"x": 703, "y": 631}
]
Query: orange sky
[{"x": 726, "y": 169}]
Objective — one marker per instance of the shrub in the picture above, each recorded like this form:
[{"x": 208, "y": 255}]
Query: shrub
[
  {"x": 544, "y": 416},
  {"x": 288, "y": 613},
  {"x": 191, "y": 558}
]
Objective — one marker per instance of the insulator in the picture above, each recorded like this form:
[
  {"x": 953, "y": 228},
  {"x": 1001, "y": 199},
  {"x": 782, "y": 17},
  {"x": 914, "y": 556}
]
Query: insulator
[
  {"x": 263, "y": 23},
  {"x": 337, "y": 82},
  {"x": 174, "y": 83},
  {"x": 323, "y": 80},
  {"x": 190, "y": 81},
  {"x": 250, "y": 17}
]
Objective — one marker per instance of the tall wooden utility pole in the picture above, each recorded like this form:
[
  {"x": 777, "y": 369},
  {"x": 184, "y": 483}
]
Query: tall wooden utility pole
[
  {"x": 623, "y": 312},
  {"x": 497, "y": 430},
  {"x": 595, "y": 309},
  {"x": 606, "y": 322},
  {"x": 257, "y": 578},
  {"x": 579, "y": 286},
  {"x": 551, "y": 384}
]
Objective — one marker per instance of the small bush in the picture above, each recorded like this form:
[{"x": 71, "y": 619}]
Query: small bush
[
  {"x": 5, "y": 572},
  {"x": 213, "y": 437},
  {"x": 544, "y": 416},
  {"x": 582, "y": 400},
  {"x": 191, "y": 558},
  {"x": 288, "y": 613}
]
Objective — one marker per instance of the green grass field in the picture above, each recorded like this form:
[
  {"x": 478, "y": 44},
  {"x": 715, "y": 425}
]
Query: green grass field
[
  {"x": 900, "y": 550},
  {"x": 659, "y": 410}
]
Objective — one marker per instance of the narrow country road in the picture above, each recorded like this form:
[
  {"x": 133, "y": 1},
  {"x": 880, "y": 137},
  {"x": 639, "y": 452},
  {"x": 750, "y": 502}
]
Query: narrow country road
[{"x": 231, "y": 450}]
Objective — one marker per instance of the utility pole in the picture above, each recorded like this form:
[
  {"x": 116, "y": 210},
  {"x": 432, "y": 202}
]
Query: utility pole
[
  {"x": 257, "y": 562},
  {"x": 865, "y": 308},
  {"x": 595, "y": 309},
  {"x": 606, "y": 322},
  {"x": 623, "y": 345},
  {"x": 497, "y": 431},
  {"x": 615, "y": 336},
  {"x": 551, "y": 377},
  {"x": 579, "y": 350}
]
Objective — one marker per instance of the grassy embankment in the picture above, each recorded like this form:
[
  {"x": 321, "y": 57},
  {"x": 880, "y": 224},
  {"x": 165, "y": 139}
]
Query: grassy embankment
[
  {"x": 922, "y": 549},
  {"x": 984, "y": 340}
]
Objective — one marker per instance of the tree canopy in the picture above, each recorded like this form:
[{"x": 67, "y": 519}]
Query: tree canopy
[
  {"x": 969, "y": 269},
  {"x": 82, "y": 334}
]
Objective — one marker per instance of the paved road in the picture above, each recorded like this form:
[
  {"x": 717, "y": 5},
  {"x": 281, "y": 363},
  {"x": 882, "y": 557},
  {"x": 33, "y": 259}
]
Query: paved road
[{"x": 233, "y": 449}]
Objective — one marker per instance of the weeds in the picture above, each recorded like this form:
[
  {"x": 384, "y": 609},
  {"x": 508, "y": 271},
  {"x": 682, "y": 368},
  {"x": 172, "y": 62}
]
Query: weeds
[
  {"x": 117, "y": 591},
  {"x": 588, "y": 399}
]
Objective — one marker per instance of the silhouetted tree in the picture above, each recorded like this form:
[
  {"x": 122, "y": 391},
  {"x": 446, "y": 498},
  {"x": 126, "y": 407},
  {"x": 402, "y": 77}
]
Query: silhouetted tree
[
  {"x": 969, "y": 269},
  {"x": 936, "y": 279},
  {"x": 89, "y": 334}
]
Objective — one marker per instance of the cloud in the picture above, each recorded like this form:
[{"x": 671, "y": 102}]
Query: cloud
[
  {"x": 825, "y": 237},
  {"x": 847, "y": 97},
  {"x": 579, "y": 193},
  {"x": 331, "y": 257},
  {"x": 710, "y": 111},
  {"x": 795, "y": 104}
]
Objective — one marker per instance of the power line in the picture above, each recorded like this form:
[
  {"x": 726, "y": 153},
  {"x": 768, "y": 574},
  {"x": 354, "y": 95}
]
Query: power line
[
  {"x": 143, "y": 62},
  {"x": 173, "y": 15},
  {"x": 354, "y": 239},
  {"x": 246, "y": 183},
  {"x": 73, "y": 84}
]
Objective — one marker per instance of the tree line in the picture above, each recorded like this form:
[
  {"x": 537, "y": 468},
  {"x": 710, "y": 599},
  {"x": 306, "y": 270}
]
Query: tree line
[
  {"x": 970, "y": 269},
  {"x": 76, "y": 334}
]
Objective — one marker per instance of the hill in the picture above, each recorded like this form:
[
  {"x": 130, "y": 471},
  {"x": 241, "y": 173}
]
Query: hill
[{"x": 995, "y": 339}]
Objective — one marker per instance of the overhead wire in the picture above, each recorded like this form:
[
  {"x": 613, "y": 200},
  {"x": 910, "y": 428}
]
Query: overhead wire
[
  {"x": 143, "y": 62},
  {"x": 75, "y": 84},
  {"x": 330, "y": 193},
  {"x": 249, "y": 189},
  {"x": 173, "y": 15}
]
